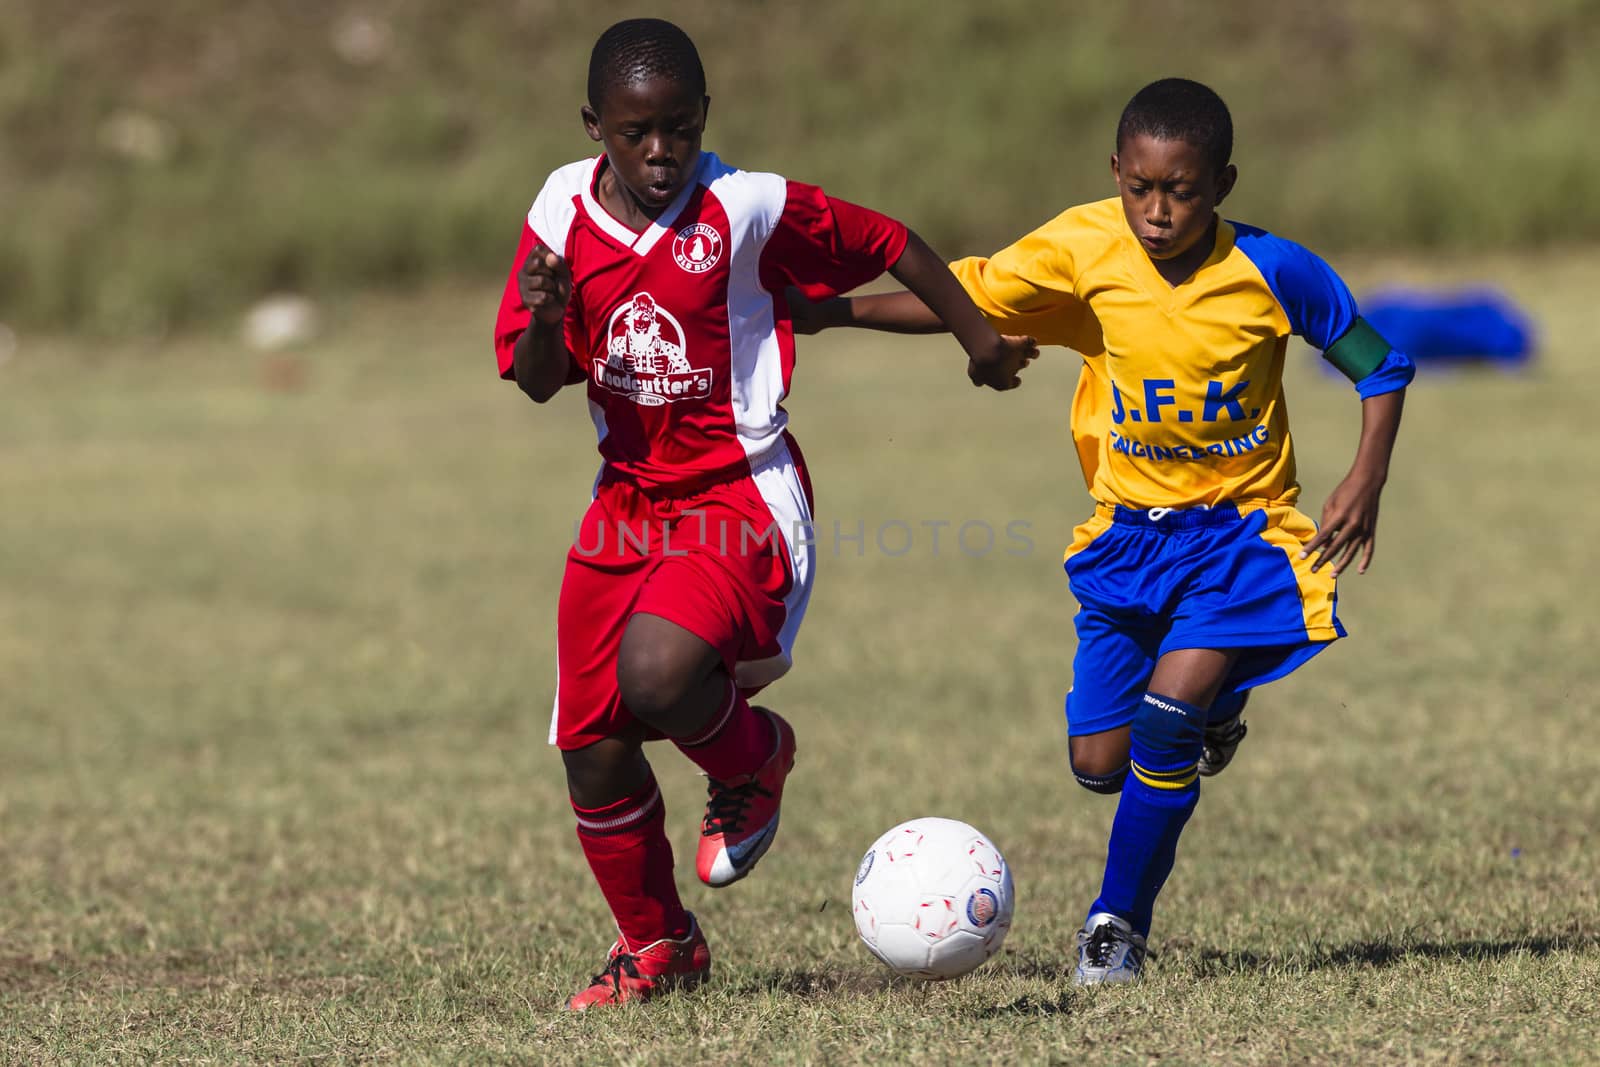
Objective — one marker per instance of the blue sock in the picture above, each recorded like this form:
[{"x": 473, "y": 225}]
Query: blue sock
[{"x": 1157, "y": 800}]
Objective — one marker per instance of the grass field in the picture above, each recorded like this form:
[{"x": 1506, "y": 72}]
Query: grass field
[{"x": 276, "y": 657}]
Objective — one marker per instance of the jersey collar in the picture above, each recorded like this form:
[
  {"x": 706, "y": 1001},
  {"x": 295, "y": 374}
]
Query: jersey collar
[
  {"x": 641, "y": 242},
  {"x": 1170, "y": 297}
]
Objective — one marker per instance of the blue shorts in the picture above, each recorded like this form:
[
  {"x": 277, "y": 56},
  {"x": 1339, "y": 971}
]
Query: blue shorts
[{"x": 1194, "y": 578}]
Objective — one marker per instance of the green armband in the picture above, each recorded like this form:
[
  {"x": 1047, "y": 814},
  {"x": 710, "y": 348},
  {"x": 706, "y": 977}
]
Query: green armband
[{"x": 1359, "y": 351}]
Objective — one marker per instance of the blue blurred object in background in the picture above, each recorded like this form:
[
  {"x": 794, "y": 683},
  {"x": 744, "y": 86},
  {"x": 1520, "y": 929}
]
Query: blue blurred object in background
[{"x": 1465, "y": 327}]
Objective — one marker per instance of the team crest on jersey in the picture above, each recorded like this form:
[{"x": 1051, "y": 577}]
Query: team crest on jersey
[
  {"x": 697, "y": 247},
  {"x": 645, "y": 359}
]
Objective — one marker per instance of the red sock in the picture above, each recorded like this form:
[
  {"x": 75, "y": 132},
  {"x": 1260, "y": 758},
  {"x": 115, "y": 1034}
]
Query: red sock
[
  {"x": 627, "y": 848},
  {"x": 737, "y": 741}
]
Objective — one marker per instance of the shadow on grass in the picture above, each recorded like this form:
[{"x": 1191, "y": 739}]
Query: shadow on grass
[
  {"x": 1026, "y": 1005},
  {"x": 1213, "y": 963},
  {"x": 1384, "y": 953},
  {"x": 811, "y": 984},
  {"x": 1051, "y": 969},
  {"x": 1039, "y": 968}
]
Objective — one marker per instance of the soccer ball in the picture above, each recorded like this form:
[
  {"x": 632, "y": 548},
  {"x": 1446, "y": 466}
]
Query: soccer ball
[{"x": 932, "y": 898}]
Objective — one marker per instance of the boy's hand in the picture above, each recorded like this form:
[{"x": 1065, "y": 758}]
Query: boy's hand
[
  {"x": 1001, "y": 367},
  {"x": 545, "y": 285},
  {"x": 1350, "y": 517},
  {"x": 1349, "y": 524}
]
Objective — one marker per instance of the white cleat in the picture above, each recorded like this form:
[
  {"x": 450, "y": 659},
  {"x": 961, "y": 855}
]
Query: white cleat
[{"x": 1109, "y": 952}]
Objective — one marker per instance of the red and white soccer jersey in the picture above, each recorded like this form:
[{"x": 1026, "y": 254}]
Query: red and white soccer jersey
[
  {"x": 682, "y": 330},
  {"x": 683, "y": 336}
]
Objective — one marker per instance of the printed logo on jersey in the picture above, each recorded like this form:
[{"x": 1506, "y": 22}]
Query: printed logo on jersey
[
  {"x": 697, "y": 248},
  {"x": 645, "y": 359}
]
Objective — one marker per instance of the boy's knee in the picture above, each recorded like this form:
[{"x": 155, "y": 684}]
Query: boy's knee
[
  {"x": 1169, "y": 727},
  {"x": 1099, "y": 762},
  {"x": 1167, "y": 742},
  {"x": 653, "y": 681}
]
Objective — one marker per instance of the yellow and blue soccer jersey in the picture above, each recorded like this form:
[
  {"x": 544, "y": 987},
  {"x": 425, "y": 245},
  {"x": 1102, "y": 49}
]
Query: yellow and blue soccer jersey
[
  {"x": 1180, "y": 402},
  {"x": 1183, "y": 436}
]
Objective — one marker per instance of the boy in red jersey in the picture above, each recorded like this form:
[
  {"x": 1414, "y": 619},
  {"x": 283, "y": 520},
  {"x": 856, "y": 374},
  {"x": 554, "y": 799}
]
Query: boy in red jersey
[{"x": 656, "y": 274}]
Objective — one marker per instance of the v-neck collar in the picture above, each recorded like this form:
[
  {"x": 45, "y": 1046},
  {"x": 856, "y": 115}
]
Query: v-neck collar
[
  {"x": 1170, "y": 297},
  {"x": 642, "y": 241}
]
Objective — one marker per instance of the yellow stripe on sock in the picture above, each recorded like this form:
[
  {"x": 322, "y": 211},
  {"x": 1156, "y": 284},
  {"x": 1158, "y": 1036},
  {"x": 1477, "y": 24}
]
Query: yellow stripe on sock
[
  {"x": 1167, "y": 779},
  {"x": 1170, "y": 775}
]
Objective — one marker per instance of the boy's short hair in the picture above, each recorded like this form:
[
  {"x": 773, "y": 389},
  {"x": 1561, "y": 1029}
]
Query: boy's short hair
[
  {"x": 1177, "y": 109},
  {"x": 636, "y": 50}
]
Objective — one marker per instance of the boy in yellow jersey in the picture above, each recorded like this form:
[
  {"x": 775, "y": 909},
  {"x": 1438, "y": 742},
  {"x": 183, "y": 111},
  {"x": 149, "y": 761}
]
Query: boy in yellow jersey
[{"x": 1197, "y": 577}]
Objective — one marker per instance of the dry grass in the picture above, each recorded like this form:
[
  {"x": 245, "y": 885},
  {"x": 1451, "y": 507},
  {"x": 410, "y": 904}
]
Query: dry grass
[{"x": 274, "y": 669}]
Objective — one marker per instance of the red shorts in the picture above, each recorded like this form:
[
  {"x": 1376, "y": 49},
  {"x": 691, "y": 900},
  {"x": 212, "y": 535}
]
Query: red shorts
[{"x": 732, "y": 564}]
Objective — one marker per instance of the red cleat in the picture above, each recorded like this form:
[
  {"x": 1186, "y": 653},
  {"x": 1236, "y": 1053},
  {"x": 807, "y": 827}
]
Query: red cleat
[
  {"x": 742, "y": 814},
  {"x": 638, "y": 975}
]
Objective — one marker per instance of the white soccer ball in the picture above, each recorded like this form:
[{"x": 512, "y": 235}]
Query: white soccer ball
[{"x": 932, "y": 898}]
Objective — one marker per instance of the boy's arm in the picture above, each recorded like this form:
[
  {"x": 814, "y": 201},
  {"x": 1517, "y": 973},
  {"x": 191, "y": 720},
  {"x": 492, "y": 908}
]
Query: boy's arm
[
  {"x": 922, "y": 310},
  {"x": 821, "y": 247},
  {"x": 1320, "y": 308},
  {"x": 1025, "y": 288},
  {"x": 993, "y": 360},
  {"x": 888, "y": 312},
  {"x": 1350, "y": 516},
  {"x": 540, "y": 359}
]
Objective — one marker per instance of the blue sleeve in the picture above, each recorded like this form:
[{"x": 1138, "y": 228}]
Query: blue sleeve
[
  {"x": 1318, "y": 303},
  {"x": 1320, "y": 308},
  {"x": 1391, "y": 376}
]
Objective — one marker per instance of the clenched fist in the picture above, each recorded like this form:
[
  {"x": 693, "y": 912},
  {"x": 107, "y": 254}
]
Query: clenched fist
[{"x": 545, "y": 284}]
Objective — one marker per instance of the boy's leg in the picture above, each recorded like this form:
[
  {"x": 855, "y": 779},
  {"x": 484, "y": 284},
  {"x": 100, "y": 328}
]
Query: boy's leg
[
  {"x": 1244, "y": 591},
  {"x": 621, "y": 827},
  {"x": 1110, "y": 673},
  {"x": 1100, "y": 760},
  {"x": 1166, "y": 742},
  {"x": 674, "y": 681},
  {"x": 1256, "y": 594},
  {"x": 620, "y": 819},
  {"x": 724, "y": 602}
]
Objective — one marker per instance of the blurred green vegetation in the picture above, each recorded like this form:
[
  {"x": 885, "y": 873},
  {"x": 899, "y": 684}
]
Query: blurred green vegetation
[{"x": 163, "y": 161}]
